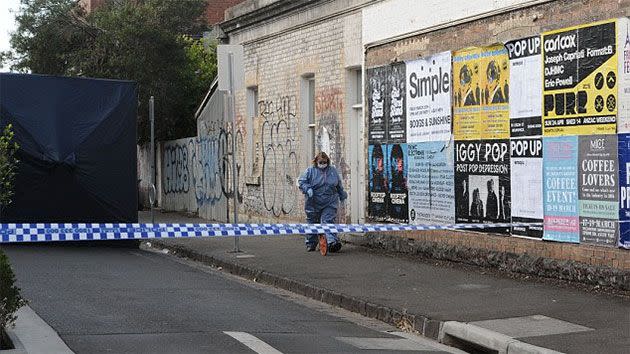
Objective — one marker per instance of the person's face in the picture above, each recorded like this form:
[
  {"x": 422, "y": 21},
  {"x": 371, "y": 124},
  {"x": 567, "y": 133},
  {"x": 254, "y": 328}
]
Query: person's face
[
  {"x": 399, "y": 165},
  {"x": 490, "y": 186},
  {"x": 379, "y": 164},
  {"x": 322, "y": 162}
]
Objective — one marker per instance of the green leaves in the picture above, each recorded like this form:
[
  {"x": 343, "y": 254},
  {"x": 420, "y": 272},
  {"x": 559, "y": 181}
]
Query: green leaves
[
  {"x": 8, "y": 166},
  {"x": 10, "y": 298},
  {"x": 146, "y": 41}
]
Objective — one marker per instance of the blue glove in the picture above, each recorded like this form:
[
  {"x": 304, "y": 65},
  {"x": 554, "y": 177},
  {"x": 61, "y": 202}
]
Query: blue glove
[{"x": 309, "y": 192}]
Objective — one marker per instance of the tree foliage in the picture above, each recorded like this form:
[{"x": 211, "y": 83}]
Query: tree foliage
[
  {"x": 8, "y": 166},
  {"x": 10, "y": 298},
  {"x": 147, "y": 41}
]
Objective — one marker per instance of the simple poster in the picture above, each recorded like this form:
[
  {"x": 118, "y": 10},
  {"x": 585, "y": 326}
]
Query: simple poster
[
  {"x": 378, "y": 186},
  {"x": 526, "y": 111},
  {"x": 431, "y": 182},
  {"x": 429, "y": 98},
  {"x": 598, "y": 189},
  {"x": 560, "y": 189},
  {"x": 482, "y": 182},
  {"x": 398, "y": 197},
  {"x": 624, "y": 191},
  {"x": 377, "y": 103},
  {"x": 580, "y": 80},
  {"x": 481, "y": 93},
  {"x": 526, "y": 159},
  {"x": 397, "y": 117}
]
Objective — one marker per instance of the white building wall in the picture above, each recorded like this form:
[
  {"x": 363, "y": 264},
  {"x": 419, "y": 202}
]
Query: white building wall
[{"x": 392, "y": 19}]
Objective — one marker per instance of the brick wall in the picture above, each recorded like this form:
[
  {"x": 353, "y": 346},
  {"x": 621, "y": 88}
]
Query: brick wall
[
  {"x": 517, "y": 24},
  {"x": 585, "y": 264},
  {"x": 496, "y": 29},
  {"x": 216, "y": 9},
  {"x": 587, "y": 254},
  {"x": 276, "y": 64}
]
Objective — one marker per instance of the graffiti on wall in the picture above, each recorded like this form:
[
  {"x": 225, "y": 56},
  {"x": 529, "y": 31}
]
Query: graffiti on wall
[
  {"x": 175, "y": 171},
  {"x": 328, "y": 100},
  {"x": 212, "y": 168},
  {"x": 328, "y": 108},
  {"x": 202, "y": 165},
  {"x": 278, "y": 132}
]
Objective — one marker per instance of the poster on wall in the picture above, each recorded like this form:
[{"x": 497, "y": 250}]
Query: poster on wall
[
  {"x": 624, "y": 190},
  {"x": 525, "y": 111},
  {"x": 377, "y": 103},
  {"x": 560, "y": 189},
  {"x": 623, "y": 71},
  {"x": 419, "y": 183},
  {"x": 580, "y": 80},
  {"x": 481, "y": 93},
  {"x": 397, "y": 179},
  {"x": 598, "y": 189},
  {"x": 397, "y": 118},
  {"x": 526, "y": 159},
  {"x": 482, "y": 182},
  {"x": 429, "y": 98},
  {"x": 378, "y": 186},
  {"x": 431, "y": 182}
]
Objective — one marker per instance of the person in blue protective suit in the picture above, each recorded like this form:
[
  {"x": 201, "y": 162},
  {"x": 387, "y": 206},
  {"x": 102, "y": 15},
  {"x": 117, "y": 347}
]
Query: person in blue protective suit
[{"x": 321, "y": 185}]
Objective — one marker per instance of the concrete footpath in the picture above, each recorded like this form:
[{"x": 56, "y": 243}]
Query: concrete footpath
[{"x": 467, "y": 307}]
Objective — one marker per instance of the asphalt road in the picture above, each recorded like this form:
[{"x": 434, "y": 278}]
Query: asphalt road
[{"x": 124, "y": 300}]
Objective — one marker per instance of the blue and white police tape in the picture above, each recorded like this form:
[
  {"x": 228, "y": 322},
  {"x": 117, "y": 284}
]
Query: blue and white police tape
[{"x": 42, "y": 232}]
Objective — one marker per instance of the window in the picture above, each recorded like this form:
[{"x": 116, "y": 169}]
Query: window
[
  {"x": 308, "y": 114},
  {"x": 252, "y": 114},
  {"x": 252, "y": 102},
  {"x": 358, "y": 85},
  {"x": 355, "y": 149},
  {"x": 355, "y": 88},
  {"x": 311, "y": 113}
]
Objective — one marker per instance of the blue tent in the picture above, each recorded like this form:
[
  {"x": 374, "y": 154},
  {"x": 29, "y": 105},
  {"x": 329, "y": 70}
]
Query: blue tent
[{"x": 77, "y": 148}]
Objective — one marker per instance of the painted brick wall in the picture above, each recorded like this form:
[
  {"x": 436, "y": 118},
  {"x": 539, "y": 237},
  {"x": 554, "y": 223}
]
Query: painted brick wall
[
  {"x": 195, "y": 174},
  {"x": 276, "y": 64}
]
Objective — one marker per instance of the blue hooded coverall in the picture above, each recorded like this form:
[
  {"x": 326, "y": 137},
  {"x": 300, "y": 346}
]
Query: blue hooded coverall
[{"x": 322, "y": 207}]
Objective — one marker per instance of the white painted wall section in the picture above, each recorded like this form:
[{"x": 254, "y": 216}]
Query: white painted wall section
[{"x": 397, "y": 18}]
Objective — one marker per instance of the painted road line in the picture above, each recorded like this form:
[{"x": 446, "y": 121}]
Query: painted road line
[{"x": 253, "y": 343}]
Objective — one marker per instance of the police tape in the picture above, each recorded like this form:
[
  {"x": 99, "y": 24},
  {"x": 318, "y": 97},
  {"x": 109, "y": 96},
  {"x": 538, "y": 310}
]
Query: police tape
[{"x": 42, "y": 232}]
